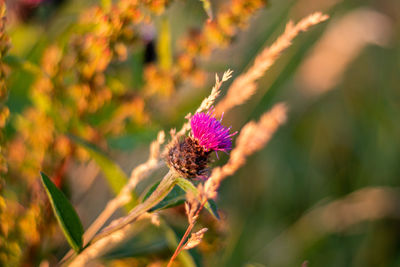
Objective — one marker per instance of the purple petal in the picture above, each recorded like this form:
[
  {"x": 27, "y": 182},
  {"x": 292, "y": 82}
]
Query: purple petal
[{"x": 210, "y": 133}]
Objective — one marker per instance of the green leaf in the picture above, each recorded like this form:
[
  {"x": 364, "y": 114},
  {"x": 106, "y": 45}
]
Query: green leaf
[
  {"x": 19, "y": 63},
  {"x": 175, "y": 198},
  {"x": 115, "y": 176},
  {"x": 187, "y": 185},
  {"x": 211, "y": 206},
  {"x": 65, "y": 214},
  {"x": 178, "y": 195}
]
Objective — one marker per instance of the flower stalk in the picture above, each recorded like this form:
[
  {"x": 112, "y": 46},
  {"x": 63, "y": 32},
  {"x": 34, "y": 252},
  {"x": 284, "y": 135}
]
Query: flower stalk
[
  {"x": 186, "y": 234},
  {"x": 117, "y": 229},
  {"x": 162, "y": 190}
]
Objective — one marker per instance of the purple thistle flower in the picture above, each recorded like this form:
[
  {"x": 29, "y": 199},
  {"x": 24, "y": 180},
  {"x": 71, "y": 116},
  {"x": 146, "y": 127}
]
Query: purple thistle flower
[
  {"x": 189, "y": 156},
  {"x": 210, "y": 133}
]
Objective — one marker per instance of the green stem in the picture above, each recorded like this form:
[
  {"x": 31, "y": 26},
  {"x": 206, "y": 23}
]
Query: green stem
[{"x": 165, "y": 186}]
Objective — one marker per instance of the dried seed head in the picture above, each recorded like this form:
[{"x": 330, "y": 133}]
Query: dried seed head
[
  {"x": 195, "y": 239},
  {"x": 188, "y": 158}
]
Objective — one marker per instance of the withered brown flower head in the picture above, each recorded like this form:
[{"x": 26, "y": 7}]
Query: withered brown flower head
[{"x": 188, "y": 158}]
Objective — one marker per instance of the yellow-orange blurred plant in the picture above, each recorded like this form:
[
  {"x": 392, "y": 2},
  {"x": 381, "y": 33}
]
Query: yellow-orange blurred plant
[{"x": 74, "y": 83}]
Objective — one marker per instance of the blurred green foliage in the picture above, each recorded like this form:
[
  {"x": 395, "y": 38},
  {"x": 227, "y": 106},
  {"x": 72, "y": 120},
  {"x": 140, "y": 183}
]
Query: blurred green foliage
[{"x": 115, "y": 72}]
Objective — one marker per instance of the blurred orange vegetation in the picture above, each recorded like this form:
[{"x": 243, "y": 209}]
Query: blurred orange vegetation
[
  {"x": 92, "y": 81},
  {"x": 72, "y": 85}
]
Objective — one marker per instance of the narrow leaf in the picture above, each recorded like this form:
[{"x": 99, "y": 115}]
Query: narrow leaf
[
  {"x": 175, "y": 198},
  {"x": 65, "y": 214},
  {"x": 178, "y": 195},
  {"x": 19, "y": 63},
  {"x": 187, "y": 185}
]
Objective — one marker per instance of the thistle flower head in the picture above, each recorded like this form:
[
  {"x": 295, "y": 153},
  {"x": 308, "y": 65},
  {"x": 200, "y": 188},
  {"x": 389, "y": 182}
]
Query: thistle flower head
[
  {"x": 189, "y": 157},
  {"x": 210, "y": 133}
]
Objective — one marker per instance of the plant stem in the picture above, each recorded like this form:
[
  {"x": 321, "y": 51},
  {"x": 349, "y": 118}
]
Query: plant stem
[
  {"x": 121, "y": 199},
  {"x": 185, "y": 236},
  {"x": 165, "y": 186}
]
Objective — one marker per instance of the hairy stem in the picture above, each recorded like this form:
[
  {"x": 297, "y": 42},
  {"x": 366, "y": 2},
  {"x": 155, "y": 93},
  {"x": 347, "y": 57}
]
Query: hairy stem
[
  {"x": 123, "y": 198},
  {"x": 165, "y": 186}
]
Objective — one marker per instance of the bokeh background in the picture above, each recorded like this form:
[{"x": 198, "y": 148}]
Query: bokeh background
[{"x": 324, "y": 190}]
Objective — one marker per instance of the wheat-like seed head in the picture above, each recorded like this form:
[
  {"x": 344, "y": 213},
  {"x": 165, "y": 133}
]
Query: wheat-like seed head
[
  {"x": 195, "y": 239},
  {"x": 245, "y": 85},
  {"x": 252, "y": 137},
  {"x": 209, "y": 101}
]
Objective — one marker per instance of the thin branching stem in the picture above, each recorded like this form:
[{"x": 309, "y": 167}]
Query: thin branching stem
[{"x": 185, "y": 236}]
